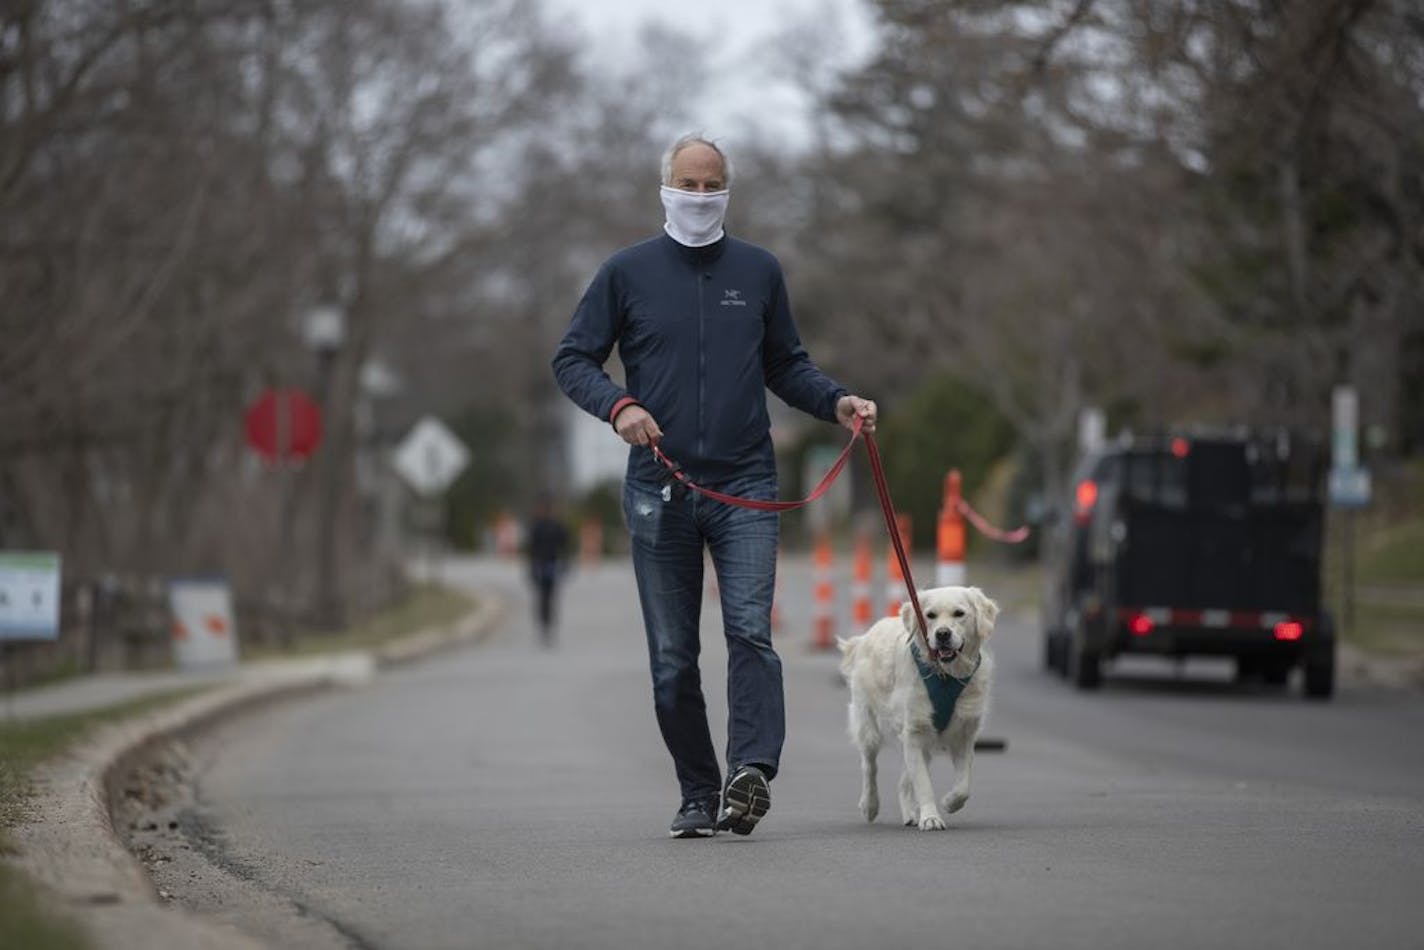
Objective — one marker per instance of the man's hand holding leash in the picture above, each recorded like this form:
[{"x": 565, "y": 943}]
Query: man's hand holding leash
[
  {"x": 849, "y": 407},
  {"x": 636, "y": 426}
]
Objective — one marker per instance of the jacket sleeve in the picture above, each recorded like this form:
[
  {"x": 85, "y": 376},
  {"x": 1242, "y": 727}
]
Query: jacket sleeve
[
  {"x": 594, "y": 329},
  {"x": 789, "y": 372}
]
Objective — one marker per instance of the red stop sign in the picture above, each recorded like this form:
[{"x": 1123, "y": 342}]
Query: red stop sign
[{"x": 283, "y": 424}]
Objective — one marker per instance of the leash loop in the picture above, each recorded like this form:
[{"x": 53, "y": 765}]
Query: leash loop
[{"x": 757, "y": 504}]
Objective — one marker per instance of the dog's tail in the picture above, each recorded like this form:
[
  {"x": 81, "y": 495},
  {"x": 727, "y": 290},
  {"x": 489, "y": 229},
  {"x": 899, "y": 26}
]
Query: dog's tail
[{"x": 848, "y": 650}]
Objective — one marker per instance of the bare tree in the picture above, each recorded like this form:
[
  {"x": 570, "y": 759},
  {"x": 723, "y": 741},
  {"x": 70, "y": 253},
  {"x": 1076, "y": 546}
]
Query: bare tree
[{"x": 180, "y": 183}]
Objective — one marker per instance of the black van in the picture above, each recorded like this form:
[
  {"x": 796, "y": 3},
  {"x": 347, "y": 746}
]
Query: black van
[{"x": 1206, "y": 544}]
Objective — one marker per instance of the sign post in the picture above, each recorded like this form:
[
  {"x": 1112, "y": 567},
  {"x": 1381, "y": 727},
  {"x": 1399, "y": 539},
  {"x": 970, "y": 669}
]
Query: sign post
[
  {"x": 283, "y": 426},
  {"x": 429, "y": 459},
  {"x": 1349, "y": 483}
]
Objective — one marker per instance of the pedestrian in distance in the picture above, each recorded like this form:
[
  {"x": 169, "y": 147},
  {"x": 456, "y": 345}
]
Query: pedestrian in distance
[
  {"x": 703, "y": 326},
  {"x": 547, "y": 549}
]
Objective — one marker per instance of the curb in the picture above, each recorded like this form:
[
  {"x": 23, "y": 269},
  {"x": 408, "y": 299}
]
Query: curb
[{"x": 69, "y": 846}]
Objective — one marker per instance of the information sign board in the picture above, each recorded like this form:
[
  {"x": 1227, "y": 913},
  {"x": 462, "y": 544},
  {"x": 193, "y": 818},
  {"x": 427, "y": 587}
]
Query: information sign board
[{"x": 29, "y": 595}]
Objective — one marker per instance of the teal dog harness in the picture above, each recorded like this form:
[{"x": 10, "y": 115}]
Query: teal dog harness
[{"x": 944, "y": 689}]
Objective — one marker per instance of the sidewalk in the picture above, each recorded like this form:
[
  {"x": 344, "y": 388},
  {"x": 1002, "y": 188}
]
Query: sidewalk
[
  {"x": 87, "y": 692},
  {"x": 92, "y": 691}
]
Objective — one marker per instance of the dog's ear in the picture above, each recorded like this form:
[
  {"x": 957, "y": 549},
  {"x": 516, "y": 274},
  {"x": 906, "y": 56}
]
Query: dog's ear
[
  {"x": 907, "y": 616},
  {"x": 987, "y": 609}
]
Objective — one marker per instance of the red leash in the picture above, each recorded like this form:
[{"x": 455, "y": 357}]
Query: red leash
[
  {"x": 887, "y": 507},
  {"x": 756, "y": 503},
  {"x": 882, "y": 490}
]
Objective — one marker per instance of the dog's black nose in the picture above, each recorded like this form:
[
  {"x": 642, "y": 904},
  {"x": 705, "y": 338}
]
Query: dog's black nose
[{"x": 943, "y": 636}]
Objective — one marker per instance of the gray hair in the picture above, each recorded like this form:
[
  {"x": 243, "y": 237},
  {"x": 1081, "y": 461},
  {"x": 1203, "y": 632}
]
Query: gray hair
[{"x": 695, "y": 139}]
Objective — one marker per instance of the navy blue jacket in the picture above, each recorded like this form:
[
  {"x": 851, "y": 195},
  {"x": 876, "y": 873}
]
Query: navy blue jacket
[{"x": 702, "y": 333}]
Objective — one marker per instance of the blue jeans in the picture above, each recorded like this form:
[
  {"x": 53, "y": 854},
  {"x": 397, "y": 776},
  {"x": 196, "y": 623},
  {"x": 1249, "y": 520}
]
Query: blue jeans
[{"x": 668, "y": 538}]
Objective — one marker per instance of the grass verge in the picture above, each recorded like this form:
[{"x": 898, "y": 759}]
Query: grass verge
[
  {"x": 1381, "y": 627},
  {"x": 428, "y": 605},
  {"x": 26, "y": 922},
  {"x": 24, "y": 744},
  {"x": 1388, "y": 615},
  {"x": 1394, "y": 555}
]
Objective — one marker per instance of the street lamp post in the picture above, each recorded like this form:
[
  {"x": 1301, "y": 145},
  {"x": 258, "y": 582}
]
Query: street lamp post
[{"x": 325, "y": 331}]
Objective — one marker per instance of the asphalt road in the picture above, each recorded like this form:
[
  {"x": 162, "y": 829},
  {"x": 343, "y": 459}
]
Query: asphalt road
[{"x": 505, "y": 796}]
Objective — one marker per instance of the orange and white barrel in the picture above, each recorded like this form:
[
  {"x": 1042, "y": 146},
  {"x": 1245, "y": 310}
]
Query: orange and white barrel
[
  {"x": 862, "y": 612},
  {"x": 895, "y": 594},
  {"x": 949, "y": 542},
  {"x": 823, "y": 606}
]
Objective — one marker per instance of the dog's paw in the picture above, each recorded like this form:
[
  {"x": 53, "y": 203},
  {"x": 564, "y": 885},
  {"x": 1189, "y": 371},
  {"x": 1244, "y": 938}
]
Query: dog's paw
[
  {"x": 870, "y": 806},
  {"x": 955, "y": 801},
  {"x": 932, "y": 823},
  {"x": 909, "y": 812}
]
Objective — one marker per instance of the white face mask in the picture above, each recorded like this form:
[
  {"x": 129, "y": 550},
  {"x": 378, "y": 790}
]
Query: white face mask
[{"x": 694, "y": 218}]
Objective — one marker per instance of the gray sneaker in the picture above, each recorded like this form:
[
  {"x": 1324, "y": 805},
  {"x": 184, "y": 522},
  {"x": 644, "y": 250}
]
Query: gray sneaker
[
  {"x": 694, "y": 819},
  {"x": 745, "y": 800}
]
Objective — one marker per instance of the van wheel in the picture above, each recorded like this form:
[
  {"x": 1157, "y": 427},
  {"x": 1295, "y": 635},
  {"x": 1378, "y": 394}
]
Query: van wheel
[
  {"x": 1320, "y": 674},
  {"x": 1087, "y": 668},
  {"x": 1055, "y": 652}
]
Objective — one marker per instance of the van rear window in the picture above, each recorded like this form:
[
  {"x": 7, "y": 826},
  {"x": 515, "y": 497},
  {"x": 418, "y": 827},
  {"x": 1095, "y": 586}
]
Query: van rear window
[
  {"x": 1157, "y": 478},
  {"x": 1281, "y": 472},
  {"x": 1210, "y": 476}
]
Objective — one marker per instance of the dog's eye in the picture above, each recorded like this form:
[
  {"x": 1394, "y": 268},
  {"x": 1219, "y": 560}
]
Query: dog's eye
[
  {"x": 930, "y": 615},
  {"x": 959, "y": 611}
]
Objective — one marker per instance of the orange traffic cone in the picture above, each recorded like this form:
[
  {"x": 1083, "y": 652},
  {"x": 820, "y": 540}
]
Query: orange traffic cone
[
  {"x": 506, "y": 535},
  {"x": 861, "y": 610},
  {"x": 949, "y": 546},
  {"x": 894, "y": 577},
  {"x": 591, "y": 542},
  {"x": 823, "y": 610}
]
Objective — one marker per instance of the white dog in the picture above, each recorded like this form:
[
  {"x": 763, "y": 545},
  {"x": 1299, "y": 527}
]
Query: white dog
[{"x": 888, "y": 693}]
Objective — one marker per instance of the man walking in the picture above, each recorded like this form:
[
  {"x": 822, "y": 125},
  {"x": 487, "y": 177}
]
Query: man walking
[
  {"x": 703, "y": 326},
  {"x": 547, "y": 548}
]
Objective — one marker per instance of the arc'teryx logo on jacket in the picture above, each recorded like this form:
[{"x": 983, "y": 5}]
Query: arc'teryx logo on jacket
[{"x": 702, "y": 333}]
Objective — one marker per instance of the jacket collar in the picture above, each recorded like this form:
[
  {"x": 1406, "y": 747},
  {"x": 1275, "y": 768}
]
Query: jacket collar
[{"x": 697, "y": 256}]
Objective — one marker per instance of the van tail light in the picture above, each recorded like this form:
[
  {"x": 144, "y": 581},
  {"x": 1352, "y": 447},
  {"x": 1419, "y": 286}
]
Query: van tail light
[
  {"x": 1289, "y": 631},
  {"x": 1140, "y": 625},
  {"x": 1181, "y": 448},
  {"x": 1084, "y": 500}
]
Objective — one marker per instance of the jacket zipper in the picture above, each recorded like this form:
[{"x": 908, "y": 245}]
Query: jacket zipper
[{"x": 701, "y": 366}]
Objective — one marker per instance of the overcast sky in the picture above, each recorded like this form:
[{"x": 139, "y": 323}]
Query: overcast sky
[{"x": 746, "y": 93}]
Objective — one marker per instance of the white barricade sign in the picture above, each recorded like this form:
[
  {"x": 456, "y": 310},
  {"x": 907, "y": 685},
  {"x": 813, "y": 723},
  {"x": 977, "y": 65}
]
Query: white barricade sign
[{"x": 204, "y": 631}]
